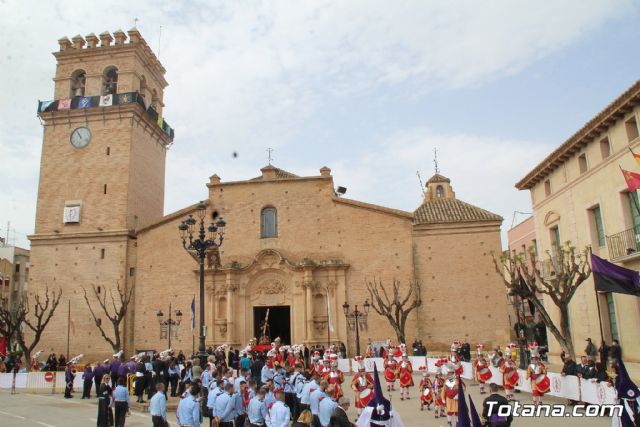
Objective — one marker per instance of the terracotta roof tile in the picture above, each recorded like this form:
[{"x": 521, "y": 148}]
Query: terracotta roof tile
[
  {"x": 451, "y": 210},
  {"x": 281, "y": 174}
]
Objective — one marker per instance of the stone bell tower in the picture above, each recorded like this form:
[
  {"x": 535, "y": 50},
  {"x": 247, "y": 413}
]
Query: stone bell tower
[{"x": 101, "y": 177}]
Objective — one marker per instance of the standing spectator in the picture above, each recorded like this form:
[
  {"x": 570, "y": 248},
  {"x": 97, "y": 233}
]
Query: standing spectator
[
  {"x": 490, "y": 408},
  {"x": 590, "y": 350},
  {"x": 600, "y": 372},
  {"x": 245, "y": 362},
  {"x": 105, "y": 414},
  {"x": 604, "y": 352},
  {"x": 616, "y": 350},
  {"x": 188, "y": 412},
  {"x": 174, "y": 376},
  {"x": 122, "y": 402},
  {"x": 569, "y": 367},
  {"x": 540, "y": 331},
  {"x": 158, "y": 407},
  {"x": 196, "y": 369},
  {"x": 62, "y": 362},
  {"x": 87, "y": 377}
]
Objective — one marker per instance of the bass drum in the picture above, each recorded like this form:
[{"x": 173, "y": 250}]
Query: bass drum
[
  {"x": 426, "y": 393},
  {"x": 365, "y": 396},
  {"x": 485, "y": 374},
  {"x": 543, "y": 383}
]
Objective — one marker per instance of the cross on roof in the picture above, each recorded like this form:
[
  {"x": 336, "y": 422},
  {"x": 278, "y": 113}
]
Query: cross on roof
[
  {"x": 435, "y": 160},
  {"x": 269, "y": 151}
]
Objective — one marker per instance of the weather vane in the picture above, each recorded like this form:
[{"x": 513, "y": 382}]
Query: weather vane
[
  {"x": 435, "y": 160},
  {"x": 135, "y": 22},
  {"x": 269, "y": 151}
]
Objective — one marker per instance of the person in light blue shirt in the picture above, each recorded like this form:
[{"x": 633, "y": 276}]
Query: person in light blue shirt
[
  {"x": 314, "y": 401},
  {"x": 225, "y": 407},
  {"x": 241, "y": 377},
  {"x": 326, "y": 408},
  {"x": 207, "y": 377},
  {"x": 307, "y": 389},
  {"x": 158, "y": 407},
  {"x": 238, "y": 404},
  {"x": 266, "y": 374},
  {"x": 188, "y": 412},
  {"x": 269, "y": 397},
  {"x": 257, "y": 409},
  {"x": 122, "y": 402}
]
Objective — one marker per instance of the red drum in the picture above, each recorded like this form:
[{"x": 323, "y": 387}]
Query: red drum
[
  {"x": 543, "y": 383},
  {"x": 390, "y": 375},
  {"x": 484, "y": 374},
  {"x": 365, "y": 397}
]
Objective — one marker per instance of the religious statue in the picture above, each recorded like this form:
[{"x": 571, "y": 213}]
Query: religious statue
[
  {"x": 264, "y": 328},
  {"x": 78, "y": 84}
]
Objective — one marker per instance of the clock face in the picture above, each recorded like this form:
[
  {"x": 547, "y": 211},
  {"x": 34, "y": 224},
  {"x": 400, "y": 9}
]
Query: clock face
[{"x": 80, "y": 137}]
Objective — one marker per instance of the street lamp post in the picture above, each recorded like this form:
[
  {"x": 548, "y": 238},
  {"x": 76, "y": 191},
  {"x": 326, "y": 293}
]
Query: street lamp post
[
  {"x": 169, "y": 322},
  {"x": 354, "y": 318},
  {"x": 200, "y": 247}
]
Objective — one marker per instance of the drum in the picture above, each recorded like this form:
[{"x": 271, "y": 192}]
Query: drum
[
  {"x": 426, "y": 393},
  {"x": 365, "y": 397},
  {"x": 484, "y": 374},
  {"x": 543, "y": 384}
]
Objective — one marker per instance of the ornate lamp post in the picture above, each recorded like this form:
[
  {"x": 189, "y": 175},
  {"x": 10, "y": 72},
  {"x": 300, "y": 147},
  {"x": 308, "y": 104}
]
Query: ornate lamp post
[
  {"x": 166, "y": 325},
  {"x": 199, "y": 247},
  {"x": 354, "y": 320}
]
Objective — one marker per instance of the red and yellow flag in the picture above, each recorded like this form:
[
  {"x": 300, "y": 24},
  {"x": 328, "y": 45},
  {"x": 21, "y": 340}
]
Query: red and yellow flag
[
  {"x": 635, "y": 156},
  {"x": 632, "y": 178}
]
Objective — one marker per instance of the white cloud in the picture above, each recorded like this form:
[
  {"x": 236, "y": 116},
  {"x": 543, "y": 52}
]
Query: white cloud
[{"x": 247, "y": 75}]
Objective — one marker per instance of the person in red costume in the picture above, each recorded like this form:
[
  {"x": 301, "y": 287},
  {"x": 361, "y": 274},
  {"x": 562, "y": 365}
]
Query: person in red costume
[
  {"x": 362, "y": 385},
  {"x": 481, "y": 369},
  {"x": 335, "y": 377},
  {"x": 438, "y": 385},
  {"x": 390, "y": 368},
  {"x": 454, "y": 357},
  {"x": 537, "y": 373},
  {"x": 509, "y": 370},
  {"x": 426, "y": 389},
  {"x": 450, "y": 393},
  {"x": 404, "y": 373}
]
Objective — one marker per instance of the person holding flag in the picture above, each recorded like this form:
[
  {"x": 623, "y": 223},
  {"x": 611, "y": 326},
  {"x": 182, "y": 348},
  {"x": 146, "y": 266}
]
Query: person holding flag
[
  {"x": 628, "y": 396},
  {"x": 379, "y": 412}
]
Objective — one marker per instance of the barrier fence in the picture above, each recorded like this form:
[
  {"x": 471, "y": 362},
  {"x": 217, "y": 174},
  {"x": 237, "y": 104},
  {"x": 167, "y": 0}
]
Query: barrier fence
[{"x": 568, "y": 387}]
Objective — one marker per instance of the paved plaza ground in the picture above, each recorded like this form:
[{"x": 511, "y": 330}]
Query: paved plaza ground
[{"x": 48, "y": 410}]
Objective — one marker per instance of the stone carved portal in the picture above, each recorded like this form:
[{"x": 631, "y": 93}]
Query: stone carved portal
[{"x": 270, "y": 289}]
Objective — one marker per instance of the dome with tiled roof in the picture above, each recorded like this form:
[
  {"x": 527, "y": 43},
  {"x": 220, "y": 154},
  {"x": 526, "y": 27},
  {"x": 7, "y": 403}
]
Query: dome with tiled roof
[{"x": 441, "y": 206}]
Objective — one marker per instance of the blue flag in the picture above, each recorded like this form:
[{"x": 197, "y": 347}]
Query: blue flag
[
  {"x": 463, "y": 410},
  {"x": 629, "y": 397},
  {"x": 193, "y": 313},
  {"x": 475, "y": 418}
]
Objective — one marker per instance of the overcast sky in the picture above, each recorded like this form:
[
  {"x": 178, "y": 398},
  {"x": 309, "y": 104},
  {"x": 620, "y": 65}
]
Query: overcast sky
[{"x": 368, "y": 88}]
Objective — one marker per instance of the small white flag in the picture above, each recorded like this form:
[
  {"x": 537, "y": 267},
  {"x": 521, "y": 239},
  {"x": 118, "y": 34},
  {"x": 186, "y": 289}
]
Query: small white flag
[{"x": 106, "y": 100}]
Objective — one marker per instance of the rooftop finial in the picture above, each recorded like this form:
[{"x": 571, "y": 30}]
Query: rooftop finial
[
  {"x": 135, "y": 22},
  {"x": 269, "y": 151},
  {"x": 435, "y": 160}
]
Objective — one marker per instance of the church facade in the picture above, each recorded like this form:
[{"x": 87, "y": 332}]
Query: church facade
[{"x": 294, "y": 251}]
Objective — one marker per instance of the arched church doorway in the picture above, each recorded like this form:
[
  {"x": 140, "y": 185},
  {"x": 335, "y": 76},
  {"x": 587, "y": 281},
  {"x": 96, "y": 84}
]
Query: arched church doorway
[{"x": 271, "y": 322}]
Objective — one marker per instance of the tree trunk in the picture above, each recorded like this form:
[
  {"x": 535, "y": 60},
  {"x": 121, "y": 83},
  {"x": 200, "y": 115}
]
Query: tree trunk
[
  {"x": 557, "y": 334},
  {"x": 566, "y": 330}
]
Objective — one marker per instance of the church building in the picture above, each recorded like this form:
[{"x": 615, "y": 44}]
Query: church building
[{"x": 294, "y": 251}]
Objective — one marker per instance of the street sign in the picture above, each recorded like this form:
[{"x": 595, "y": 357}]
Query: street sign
[{"x": 48, "y": 377}]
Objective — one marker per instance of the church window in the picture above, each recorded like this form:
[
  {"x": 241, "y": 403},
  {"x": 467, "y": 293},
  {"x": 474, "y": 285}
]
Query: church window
[
  {"x": 108, "y": 151},
  {"x": 439, "y": 191},
  {"x": 102, "y": 253},
  {"x": 269, "y": 222},
  {"x": 110, "y": 81},
  {"x": 78, "y": 82},
  {"x": 104, "y": 189}
]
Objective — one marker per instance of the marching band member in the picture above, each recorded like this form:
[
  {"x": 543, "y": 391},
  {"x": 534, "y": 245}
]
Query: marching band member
[
  {"x": 481, "y": 368},
  {"x": 291, "y": 357},
  {"x": 404, "y": 373},
  {"x": 362, "y": 385},
  {"x": 509, "y": 370},
  {"x": 454, "y": 357},
  {"x": 335, "y": 377},
  {"x": 316, "y": 365},
  {"x": 69, "y": 376},
  {"x": 537, "y": 373},
  {"x": 438, "y": 385},
  {"x": 450, "y": 393},
  {"x": 390, "y": 368},
  {"x": 425, "y": 388}
]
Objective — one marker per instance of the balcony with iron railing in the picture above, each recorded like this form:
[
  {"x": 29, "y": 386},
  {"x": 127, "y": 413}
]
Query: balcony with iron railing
[{"x": 624, "y": 244}]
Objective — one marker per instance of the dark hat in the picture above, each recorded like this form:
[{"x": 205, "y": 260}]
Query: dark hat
[{"x": 381, "y": 406}]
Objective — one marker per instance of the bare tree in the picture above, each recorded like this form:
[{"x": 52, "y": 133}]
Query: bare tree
[
  {"x": 397, "y": 307},
  {"x": 114, "y": 309},
  {"x": 559, "y": 277},
  {"x": 23, "y": 318}
]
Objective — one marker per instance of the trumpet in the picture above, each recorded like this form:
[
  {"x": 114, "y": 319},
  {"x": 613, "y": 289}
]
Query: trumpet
[
  {"x": 76, "y": 359},
  {"x": 35, "y": 356}
]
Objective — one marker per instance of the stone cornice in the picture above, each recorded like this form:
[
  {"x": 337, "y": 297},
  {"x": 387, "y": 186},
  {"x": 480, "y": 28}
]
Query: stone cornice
[
  {"x": 594, "y": 127},
  {"x": 54, "y": 238}
]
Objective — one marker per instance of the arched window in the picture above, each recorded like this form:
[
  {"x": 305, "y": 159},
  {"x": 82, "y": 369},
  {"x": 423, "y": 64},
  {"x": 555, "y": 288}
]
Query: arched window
[
  {"x": 110, "y": 81},
  {"x": 269, "y": 222},
  {"x": 78, "y": 82},
  {"x": 439, "y": 191}
]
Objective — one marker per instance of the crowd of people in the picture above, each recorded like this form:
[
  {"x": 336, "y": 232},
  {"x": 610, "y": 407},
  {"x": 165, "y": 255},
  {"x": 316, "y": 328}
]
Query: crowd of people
[{"x": 268, "y": 388}]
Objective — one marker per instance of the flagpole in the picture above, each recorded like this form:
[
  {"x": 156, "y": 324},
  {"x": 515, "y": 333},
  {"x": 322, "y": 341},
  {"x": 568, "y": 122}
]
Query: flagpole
[{"x": 595, "y": 289}]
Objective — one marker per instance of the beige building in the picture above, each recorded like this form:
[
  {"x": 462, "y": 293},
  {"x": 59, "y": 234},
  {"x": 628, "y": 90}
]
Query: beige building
[
  {"x": 579, "y": 194},
  {"x": 293, "y": 246},
  {"x": 14, "y": 274}
]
